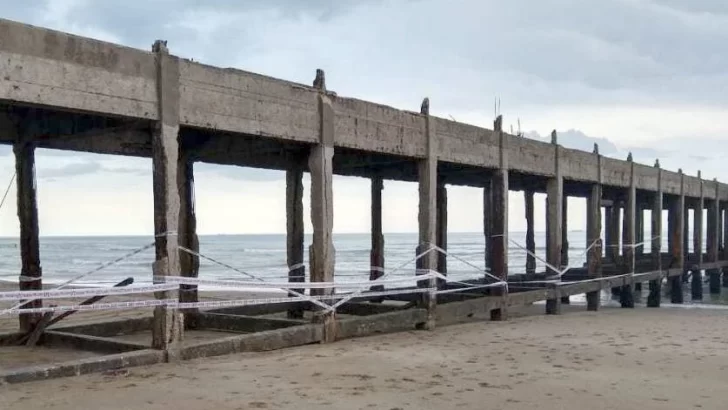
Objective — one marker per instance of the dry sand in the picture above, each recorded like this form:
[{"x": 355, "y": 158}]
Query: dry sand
[{"x": 669, "y": 358}]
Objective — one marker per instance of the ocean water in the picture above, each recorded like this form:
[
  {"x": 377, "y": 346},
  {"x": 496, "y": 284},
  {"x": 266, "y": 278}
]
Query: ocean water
[{"x": 264, "y": 256}]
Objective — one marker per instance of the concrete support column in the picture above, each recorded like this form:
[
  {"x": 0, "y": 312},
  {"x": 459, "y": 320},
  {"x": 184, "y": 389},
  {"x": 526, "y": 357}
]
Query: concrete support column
[
  {"x": 530, "y": 236},
  {"x": 713, "y": 240},
  {"x": 554, "y": 209},
  {"x": 189, "y": 263},
  {"x": 628, "y": 240},
  {"x": 564, "y": 240},
  {"x": 677, "y": 219},
  {"x": 30, "y": 269},
  {"x": 377, "y": 253},
  {"x": 613, "y": 233},
  {"x": 639, "y": 237},
  {"x": 167, "y": 328},
  {"x": 499, "y": 220},
  {"x": 442, "y": 227},
  {"x": 686, "y": 240},
  {"x": 488, "y": 222},
  {"x": 639, "y": 231},
  {"x": 427, "y": 217},
  {"x": 320, "y": 165},
  {"x": 697, "y": 273},
  {"x": 725, "y": 245},
  {"x": 655, "y": 295},
  {"x": 594, "y": 233},
  {"x": 295, "y": 232}
]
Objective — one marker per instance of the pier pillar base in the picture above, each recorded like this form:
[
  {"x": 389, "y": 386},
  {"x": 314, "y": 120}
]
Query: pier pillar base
[
  {"x": 626, "y": 297},
  {"x": 676, "y": 289},
  {"x": 655, "y": 295},
  {"x": 714, "y": 281},
  {"x": 696, "y": 288}
]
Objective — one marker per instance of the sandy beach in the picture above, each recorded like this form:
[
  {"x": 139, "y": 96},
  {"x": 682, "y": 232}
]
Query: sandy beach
[{"x": 669, "y": 358}]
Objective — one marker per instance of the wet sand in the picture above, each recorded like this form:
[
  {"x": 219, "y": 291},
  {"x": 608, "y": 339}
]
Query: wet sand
[{"x": 668, "y": 358}]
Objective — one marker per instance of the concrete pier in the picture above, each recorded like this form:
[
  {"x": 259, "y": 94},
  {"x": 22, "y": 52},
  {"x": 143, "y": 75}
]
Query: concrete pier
[{"x": 66, "y": 92}]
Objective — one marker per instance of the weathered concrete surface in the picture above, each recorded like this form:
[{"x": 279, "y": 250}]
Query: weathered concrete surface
[
  {"x": 56, "y": 69},
  {"x": 84, "y": 366},
  {"x": 107, "y": 328},
  {"x": 458, "y": 142},
  {"x": 376, "y": 256},
  {"x": 499, "y": 220},
  {"x": 455, "y": 312},
  {"x": 380, "y": 323},
  {"x": 52, "y": 68},
  {"x": 554, "y": 209},
  {"x": 366, "y": 309},
  {"x": 168, "y": 325},
  {"x": 187, "y": 235},
  {"x": 30, "y": 267},
  {"x": 593, "y": 239},
  {"x": 295, "y": 233},
  {"x": 239, "y": 323},
  {"x": 239, "y": 101},
  {"x": 256, "y": 342},
  {"x": 655, "y": 296},
  {"x": 628, "y": 239},
  {"x": 90, "y": 343},
  {"x": 375, "y": 127},
  {"x": 427, "y": 216}
]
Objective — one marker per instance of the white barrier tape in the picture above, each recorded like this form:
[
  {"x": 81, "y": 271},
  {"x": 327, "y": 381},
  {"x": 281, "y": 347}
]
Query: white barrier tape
[
  {"x": 290, "y": 291},
  {"x": 97, "y": 306},
  {"x": 379, "y": 279},
  {"x": 296, "y": 266},
  {"x": 98, "y": 268},
  {"x": 559, "y": 272},
  {"x": 85, "y": 292},
  {"x": 559, "y": 282},
  {"x": 24, "y": 278},
  {"x": 285, "y": 285},
  {"x": 472, "y": 287},
  {"x": 173, "y": 303},
  {"x": 478, "y": 269}
]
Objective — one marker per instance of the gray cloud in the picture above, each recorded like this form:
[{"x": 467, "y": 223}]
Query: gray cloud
[
  {"x": 239, "y": 173},
  {"x": 70, "y": 170},
  {"x": 555, "y": 51}
]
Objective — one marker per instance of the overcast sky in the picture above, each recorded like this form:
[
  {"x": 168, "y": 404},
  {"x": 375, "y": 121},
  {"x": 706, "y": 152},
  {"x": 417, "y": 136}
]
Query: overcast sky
[{"x": 638, "y": 75}]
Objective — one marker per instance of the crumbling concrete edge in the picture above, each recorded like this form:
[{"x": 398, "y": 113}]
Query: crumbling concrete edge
[{"x": 83, "y": 366}]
